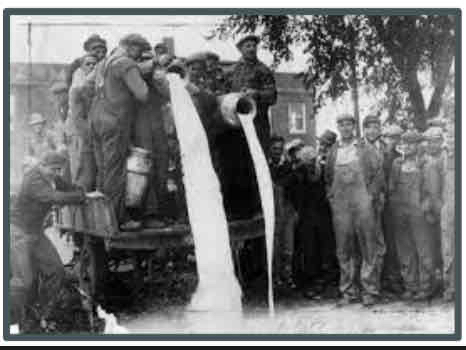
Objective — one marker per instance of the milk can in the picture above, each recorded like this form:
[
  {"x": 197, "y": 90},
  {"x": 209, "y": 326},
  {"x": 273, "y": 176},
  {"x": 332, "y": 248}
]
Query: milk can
[
  {"x": 138, "y": 168},
  {"x": 233, "y": 104}
]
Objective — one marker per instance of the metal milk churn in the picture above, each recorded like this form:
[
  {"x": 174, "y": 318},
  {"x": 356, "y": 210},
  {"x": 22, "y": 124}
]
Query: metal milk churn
[{"x": 138, "y": 166}]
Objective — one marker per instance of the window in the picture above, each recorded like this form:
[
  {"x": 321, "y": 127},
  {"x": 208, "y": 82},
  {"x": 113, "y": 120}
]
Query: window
[{"x": 297, "y": 118}]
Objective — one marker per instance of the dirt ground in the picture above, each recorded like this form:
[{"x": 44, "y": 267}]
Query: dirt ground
[
  {"x": 160, "y": 308},
  {"x": 305, "y": 317}
]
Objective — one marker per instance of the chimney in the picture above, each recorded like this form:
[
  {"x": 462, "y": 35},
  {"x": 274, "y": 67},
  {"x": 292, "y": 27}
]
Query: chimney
[{"x": 170, "y": 42}]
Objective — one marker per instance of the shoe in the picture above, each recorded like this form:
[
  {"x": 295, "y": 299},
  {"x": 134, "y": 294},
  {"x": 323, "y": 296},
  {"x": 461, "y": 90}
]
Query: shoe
[
  {"x": 369, "y": 300},
  {"x": 408, "y": 296},
  {"x": 131, "y": 226},
  {"x": 448, "y": 297},
  {"x": 344, "y": 301},
  {"x": 154, "y": 223},
  {"x": 422, "y": 296},
  {"x": 310, "y": 294}
]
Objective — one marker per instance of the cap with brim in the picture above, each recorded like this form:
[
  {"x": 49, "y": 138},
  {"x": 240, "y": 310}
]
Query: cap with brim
[
  {"x": 433, "y": 133},
  {"x": 177, "y": 66},
  {"x": 36, "y": 118},
  {"x": 371, "y": 119},
  {"x": 251, "y": 37},
  {"x": 161, "y": 46},
  {"x": 59, "y": 86},
  {"x": 392, "y": 131},
  {"x": 212, "y": 55},
  {"x": 137, "y": 40},
  {"x": 411, "y": 137},
  {"x": 344, "y": 117},
  {"x": 197, "y": 57},
  {"x": 307, "y": 153},
  {"x": 94, "y": 41},
  {"x": 328, "y": 137},
  {"x": 293, "y": 144},
  {"x": 436, "y": 122},
  {"x": 53, "y": 158}
]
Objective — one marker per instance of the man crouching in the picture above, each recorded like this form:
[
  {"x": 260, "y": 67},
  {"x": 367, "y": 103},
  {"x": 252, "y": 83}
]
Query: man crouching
[{"x": 32, "y": 254}]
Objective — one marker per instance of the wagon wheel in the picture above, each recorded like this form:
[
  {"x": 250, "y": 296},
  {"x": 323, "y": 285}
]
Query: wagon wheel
[{"x": 92, "y": 272}]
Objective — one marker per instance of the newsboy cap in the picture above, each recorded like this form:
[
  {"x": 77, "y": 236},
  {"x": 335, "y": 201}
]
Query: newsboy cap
[
  {"x": 393, "y": 130},
  {"x": 161, "y": 46},
  {"x": 136, "y": 39},
  {"x": 250, "y": 37},
  {"x": 196, "y": 57},
  {"x": 93, "y": 41},
  {"x": 328, "y": 137},
  {"x": 211, "y": 55},
  {"x": 433, "y": 133},
  {"x": 345, "y": 116},
  {"x": 51, "y": 158},
  {"x": 436, "y": 122},
  {"x": 371, "y": 119},
  {"x": 411, "y": 136}
]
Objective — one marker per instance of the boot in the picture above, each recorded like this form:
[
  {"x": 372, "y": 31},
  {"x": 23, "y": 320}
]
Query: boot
[{"x": 369, "y": 300}]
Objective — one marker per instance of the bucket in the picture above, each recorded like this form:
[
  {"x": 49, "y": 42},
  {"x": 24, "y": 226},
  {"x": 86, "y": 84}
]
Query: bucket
[
  {"x": 233, "y": 104},
  {"x": 71, "y": 218},
  {"x": 138, "y": 166},
  {"x": 100, "y": 216}
]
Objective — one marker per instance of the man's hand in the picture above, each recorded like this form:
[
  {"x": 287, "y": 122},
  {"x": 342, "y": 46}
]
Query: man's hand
[
  {"x": 250, "y": 92},
  {"x": 146, "y": 67},
  {"x": 192, "y": 89}
]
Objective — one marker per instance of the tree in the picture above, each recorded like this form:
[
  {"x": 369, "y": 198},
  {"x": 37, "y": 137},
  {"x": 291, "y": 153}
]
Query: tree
[
  {"x": 416, "y": 43},
  {"x": 347, "y": 51}
]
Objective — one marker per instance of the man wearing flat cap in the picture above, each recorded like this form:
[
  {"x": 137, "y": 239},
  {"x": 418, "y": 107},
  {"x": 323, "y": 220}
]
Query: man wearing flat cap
[
  {"x": 353, "y": 178},
  {"x": 391, "y": 275},
  {"x": 253, "y": 78},
  {"x": 31, "y": 252},
  {"x": 448, "y": 214},
  {"x": 408, "y": 205},
  {"x": 94, "y": 45},
  {"x": 434, "y": 173},
  {"x": 214, "y": 75},
  {"x": 39, "y": 140},
  {"x": 119, "y": 87},
  {"x": 372, "y": 130}
]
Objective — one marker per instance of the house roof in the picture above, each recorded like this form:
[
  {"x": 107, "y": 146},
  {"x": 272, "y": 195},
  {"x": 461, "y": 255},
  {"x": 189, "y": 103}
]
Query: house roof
[{"x": 59, "y": 39}]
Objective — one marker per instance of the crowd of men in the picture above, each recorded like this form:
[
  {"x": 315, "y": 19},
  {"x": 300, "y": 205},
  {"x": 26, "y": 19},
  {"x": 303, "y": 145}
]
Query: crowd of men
[
  {"x": 363, "y": 214},
  {"x": 378, "y": 211}
]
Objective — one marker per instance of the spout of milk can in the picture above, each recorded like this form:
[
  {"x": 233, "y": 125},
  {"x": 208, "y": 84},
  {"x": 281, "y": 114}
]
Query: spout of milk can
[{"x": 234, "y": 104}]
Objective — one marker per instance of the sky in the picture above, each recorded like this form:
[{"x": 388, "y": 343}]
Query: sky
[{"x": 52, "y": 35}]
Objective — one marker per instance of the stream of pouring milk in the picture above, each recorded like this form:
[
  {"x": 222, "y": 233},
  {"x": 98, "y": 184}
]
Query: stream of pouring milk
[
  {"x": 218, "y": 288},
  {"x": 264, "y": 181}
]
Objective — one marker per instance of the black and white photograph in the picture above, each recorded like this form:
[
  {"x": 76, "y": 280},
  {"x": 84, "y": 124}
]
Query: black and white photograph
[{"x": 232, "y": 174}]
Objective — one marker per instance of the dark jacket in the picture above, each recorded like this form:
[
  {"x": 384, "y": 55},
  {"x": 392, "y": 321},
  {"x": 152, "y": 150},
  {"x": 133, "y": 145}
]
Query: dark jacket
[{"x": 37, "y": 196}]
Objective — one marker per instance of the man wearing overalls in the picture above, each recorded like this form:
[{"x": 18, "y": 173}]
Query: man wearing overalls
[
  {"x": 119, "y": 86},
  {"x": 391, "y": 275},
  {"x": 354, "y": 179},
  {"x": 448, "y": 216},
  {"x": 413, "y": 233},
  {"x": 433, "y": 167}
]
